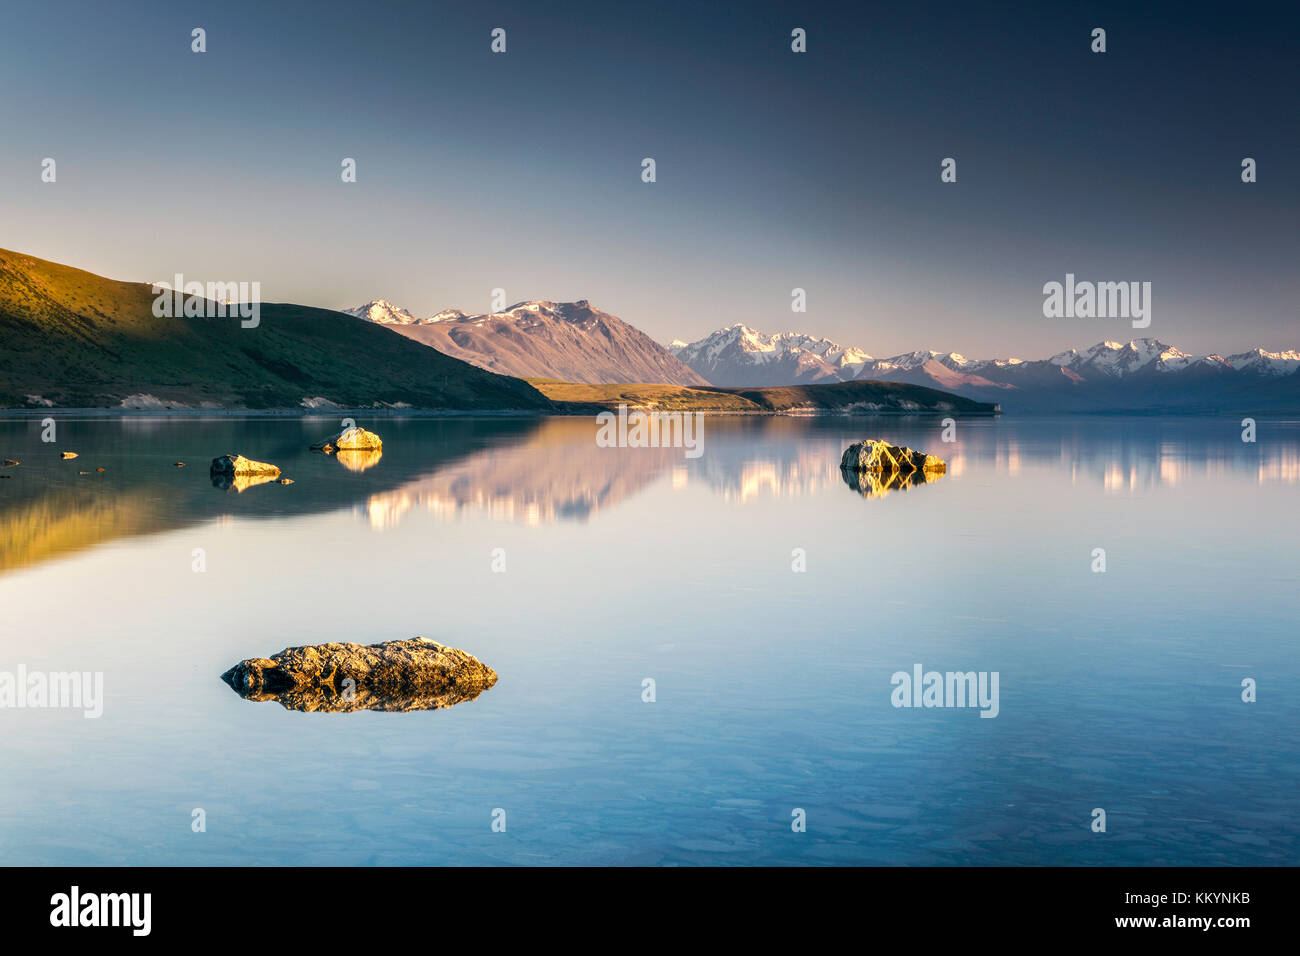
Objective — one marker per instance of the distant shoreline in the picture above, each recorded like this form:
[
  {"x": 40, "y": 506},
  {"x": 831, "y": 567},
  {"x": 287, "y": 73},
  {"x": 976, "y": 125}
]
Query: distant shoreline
[{"x": 15, "y": 414}]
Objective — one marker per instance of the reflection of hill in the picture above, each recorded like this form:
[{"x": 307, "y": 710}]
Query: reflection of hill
[
  {"x": 537, "y": 471},
  {"x": 60, "y": 523},
  {"x": 47, "y": 509}
]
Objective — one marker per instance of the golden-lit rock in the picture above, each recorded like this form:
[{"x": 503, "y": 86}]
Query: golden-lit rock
[
  {"x": 877, "y": 456},
  {"x": 416, "y": 674},
  {"x": 239, "y": 465},
  {"x": 875, "y": 468},
  {"x": 352, "y": 438},
  {"x": 237, "y": 473}
]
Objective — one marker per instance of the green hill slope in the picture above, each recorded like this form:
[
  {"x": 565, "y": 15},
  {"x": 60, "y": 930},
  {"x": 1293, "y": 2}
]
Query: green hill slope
[{"x": 83, "y": 341}]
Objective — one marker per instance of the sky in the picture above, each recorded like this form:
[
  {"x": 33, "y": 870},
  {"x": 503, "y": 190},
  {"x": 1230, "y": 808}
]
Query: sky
[{"x": 775, "y": 170}]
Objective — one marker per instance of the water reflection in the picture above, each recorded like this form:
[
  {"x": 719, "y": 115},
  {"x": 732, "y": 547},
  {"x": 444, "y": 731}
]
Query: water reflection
[
  {"x": 240, "y": 482},
  {"x": 358, "y": 459},
  {"x": 542, "y": 471},
  {"x": 877, "y": 485},
  {"x": 331, "y": 699}
]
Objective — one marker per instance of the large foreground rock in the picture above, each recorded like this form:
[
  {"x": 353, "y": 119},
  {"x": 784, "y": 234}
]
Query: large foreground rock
[
  {"x": 416, "y": 674},
  {"x": 350, "y": 439},
  {"x": 883, "y": 458}
]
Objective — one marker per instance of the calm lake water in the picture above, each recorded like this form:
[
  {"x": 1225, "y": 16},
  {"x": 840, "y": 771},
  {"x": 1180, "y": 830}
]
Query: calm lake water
[{"x": 1118, "y": 690}]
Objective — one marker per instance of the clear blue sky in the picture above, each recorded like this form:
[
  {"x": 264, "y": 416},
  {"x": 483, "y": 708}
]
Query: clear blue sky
[{"x": 775, "y": 170}]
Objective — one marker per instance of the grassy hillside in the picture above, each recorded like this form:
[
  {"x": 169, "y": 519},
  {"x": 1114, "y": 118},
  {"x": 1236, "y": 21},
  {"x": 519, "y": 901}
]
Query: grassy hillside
[
  {"x": 843, "y": 397},
  {"x": 81, "y": 340}
]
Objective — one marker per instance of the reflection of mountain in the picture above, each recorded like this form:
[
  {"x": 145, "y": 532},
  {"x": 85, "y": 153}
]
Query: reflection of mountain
[
  {"x": 556, "y": 473},
  {"x": 536, "y": 471}
]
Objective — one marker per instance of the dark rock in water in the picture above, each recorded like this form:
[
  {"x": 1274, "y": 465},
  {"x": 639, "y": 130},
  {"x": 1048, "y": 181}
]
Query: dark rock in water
[
  {"x": 415, "y": 674},
  {"x": 878, "y": 456},
  {"x": 238, "y": 473}
]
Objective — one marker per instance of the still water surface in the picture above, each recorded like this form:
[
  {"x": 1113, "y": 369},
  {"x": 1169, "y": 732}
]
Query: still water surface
[{"x": 1119, "y": 690}]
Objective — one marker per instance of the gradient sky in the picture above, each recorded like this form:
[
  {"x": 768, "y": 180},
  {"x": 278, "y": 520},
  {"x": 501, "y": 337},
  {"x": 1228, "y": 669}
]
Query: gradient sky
[{"x": 775, "y": 170}]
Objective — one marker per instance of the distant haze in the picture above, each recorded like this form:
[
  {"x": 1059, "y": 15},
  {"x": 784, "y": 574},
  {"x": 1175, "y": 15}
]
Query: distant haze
[{"x": 775, "y": 170}]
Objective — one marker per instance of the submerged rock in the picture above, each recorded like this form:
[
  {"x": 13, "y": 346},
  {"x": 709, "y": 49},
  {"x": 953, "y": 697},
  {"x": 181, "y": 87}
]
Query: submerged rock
[
  {"x": 352, "y": 438},
  {"x": 881, "y": 457},
  {"x": 239, "y": 465},
  {"x": 416, "y": 674}
]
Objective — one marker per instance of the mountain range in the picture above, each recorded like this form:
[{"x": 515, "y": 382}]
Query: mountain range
[
  {"x": 69, "y": 338},
  {"x": 1142, "y": 374},
  {"x": 72, "y": 339},
  {"x": 568, "y": 341}
]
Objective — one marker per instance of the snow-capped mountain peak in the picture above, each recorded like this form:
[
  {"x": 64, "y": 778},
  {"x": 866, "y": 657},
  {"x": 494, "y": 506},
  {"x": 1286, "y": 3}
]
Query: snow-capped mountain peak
[
  {"x": 382, "y": 312},
  {"x": 1263, "y": 362},
  {"x": 747, "y": 355},
  {"x": 1108, "y": 372}
]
